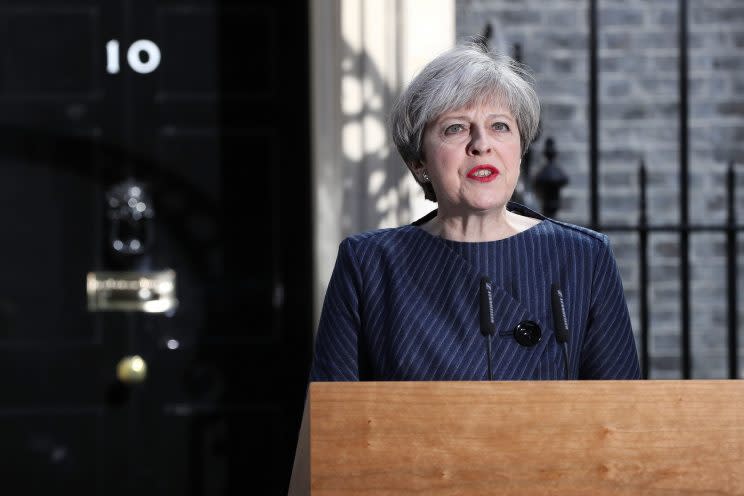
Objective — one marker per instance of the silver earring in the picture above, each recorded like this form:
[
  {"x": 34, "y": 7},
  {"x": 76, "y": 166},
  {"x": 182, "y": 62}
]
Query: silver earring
[{"x": 425, "y": 176}]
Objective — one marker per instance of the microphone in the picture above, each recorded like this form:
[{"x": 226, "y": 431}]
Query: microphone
[
  {"x": 560, "y": 321},
  {"x": 486, "y": 307},
  {"x": 487, "y": 325}
]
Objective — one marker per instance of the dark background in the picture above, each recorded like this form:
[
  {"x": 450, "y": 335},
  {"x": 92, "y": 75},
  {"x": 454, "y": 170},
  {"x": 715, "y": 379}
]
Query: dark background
[{"x": 218, "y": 134}]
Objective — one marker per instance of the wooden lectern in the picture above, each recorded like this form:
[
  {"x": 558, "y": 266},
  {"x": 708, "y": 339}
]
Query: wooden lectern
[{"x": 522, "y": 438}]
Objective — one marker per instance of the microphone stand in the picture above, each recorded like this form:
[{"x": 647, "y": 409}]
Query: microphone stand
[
  {"x": 488, "y": 354},
  {"x": 487, "y": 326},
  {"x": 560, "y": 321}
]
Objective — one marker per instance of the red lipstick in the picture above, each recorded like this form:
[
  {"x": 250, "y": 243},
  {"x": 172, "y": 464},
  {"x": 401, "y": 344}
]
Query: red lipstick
[{"x": 483, "y": 173}]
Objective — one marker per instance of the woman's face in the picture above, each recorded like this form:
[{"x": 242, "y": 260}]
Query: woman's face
[{"x": 472, "y": 157}]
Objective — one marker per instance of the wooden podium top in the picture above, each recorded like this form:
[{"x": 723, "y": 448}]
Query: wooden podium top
[{"x": 527, "y": 437}]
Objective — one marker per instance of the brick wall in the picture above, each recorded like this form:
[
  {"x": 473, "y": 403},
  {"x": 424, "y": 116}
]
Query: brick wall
[{"x": 639, "y": 118}]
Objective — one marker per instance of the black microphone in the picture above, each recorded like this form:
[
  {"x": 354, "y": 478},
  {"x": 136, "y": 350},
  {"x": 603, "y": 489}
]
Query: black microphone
[
  {"x": 486, "y": 307},
  {"x": 560, "y": 321},
  {"x": 487, "y": 325}
]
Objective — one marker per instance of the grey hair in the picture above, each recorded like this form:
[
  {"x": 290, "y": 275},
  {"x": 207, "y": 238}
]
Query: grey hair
[{"x": 468, "y": 74}]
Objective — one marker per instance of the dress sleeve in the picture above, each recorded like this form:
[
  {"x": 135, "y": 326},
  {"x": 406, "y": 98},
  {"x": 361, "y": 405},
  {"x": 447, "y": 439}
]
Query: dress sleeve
[
  {"x": 336, "y": 353},
  {"x": 609, "y": 350}
]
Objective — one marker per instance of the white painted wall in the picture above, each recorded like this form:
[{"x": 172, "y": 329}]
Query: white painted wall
[{"x": 362, "y": 53}]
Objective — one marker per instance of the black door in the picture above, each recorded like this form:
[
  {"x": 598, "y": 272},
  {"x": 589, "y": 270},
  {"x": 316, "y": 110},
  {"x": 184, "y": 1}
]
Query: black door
[{"x": 138, "y": 137}]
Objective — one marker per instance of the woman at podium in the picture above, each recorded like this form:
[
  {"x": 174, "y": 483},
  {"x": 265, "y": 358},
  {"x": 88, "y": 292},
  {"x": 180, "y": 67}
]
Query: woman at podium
[{"x": 480, "y": 288}]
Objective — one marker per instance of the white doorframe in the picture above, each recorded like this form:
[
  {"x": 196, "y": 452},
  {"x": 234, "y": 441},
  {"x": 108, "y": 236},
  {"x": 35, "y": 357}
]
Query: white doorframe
[{"x": 362, "y": 53}]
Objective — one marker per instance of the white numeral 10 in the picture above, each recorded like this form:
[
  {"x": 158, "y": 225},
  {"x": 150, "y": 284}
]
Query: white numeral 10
[{"x": 133, "y": 56}]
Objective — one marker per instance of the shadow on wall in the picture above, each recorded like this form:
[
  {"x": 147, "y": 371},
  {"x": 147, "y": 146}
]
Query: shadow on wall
[{"x": 378, "y": 190}]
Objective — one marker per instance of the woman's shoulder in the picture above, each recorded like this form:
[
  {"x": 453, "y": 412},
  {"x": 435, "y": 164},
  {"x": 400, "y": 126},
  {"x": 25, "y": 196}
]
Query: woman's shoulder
[
  {"x": 375, "y": 249},
  {"x": 576, "y": 239},
  {"x": 397, "y": 237},
  {"x": 577, "y": 232},
  {"x": 560, "y": 230}
]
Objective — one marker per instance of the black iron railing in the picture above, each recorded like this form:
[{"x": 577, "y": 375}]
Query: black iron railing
[{"x": 683, "y": 229}]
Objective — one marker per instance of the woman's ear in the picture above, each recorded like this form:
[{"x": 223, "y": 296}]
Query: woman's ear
[
  {"x": 418, "y": 170},
  {"x": 415, "y": 166}
]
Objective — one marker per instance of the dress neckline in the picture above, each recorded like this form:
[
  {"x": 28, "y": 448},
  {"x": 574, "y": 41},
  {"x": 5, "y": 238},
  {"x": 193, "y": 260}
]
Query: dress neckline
[{"x": 514, "y": 207}]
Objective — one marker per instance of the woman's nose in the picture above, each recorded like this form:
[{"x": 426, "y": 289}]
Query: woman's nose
[{"x": 479, "y": 141}]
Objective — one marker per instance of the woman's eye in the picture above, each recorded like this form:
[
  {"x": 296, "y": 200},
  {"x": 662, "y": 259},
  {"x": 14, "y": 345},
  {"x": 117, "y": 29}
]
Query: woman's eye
[
  {"x": 453, "y": 129},
  {"x": 500, "y": 126}
]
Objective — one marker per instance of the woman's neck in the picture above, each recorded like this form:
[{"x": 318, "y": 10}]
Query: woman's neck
[{"x": 486, "y": 226}]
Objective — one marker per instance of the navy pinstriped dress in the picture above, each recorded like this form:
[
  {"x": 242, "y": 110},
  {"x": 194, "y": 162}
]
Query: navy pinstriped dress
[{"x": 403, "y": 305}]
